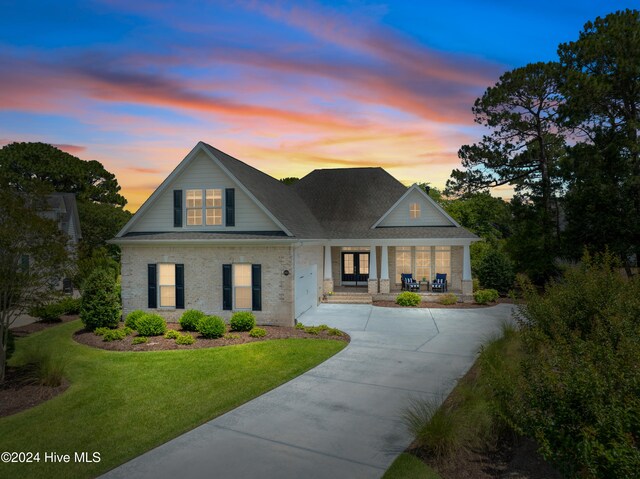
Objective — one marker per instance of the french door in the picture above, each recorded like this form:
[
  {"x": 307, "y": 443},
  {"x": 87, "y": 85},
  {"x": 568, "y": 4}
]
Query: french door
[{"x": 355, "y": 268}]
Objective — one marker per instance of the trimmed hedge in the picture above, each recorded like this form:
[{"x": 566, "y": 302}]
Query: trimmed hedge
[
  {"x": 257, "y": 333},
  {"x": 242, "y": 321},
  {"x": 133, "y": 317},
  {"x": 485, "y": 296},
  {"x": 211, "y": 327},
  {"x": 448, "y": 299},
  {"x": 185, "y": 339},
  {"x": 151, "y": 325},
  {"x": 190, "y": 319}
]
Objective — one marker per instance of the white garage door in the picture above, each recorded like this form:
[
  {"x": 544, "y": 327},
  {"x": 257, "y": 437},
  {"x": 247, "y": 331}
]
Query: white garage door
[{"x": 306, "y": 285}]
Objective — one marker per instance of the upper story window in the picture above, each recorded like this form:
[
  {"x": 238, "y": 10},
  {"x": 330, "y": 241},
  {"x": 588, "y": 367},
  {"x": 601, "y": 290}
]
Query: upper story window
[
  {"x": 414, "y": 210},
  {"x": 208, "y": 211}
]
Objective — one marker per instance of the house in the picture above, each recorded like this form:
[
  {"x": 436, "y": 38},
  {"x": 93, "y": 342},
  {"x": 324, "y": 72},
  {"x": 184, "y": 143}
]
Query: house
[{"x": 220, "y": 236}]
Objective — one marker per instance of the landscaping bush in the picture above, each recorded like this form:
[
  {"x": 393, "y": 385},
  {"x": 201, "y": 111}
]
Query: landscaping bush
[
  {"x": 100, "y": 301},
  {"x": 190, "y": 319},
  {"x": 101, "y": 331},
  {"x": 70, "y": 305},
  {"x": 171, "y": 334},
  {"x": 185, "y": 339},
  {"x": 257, "y": 333},
  {"x": 151, "y": 325},
  {"x": 211, "y": 327},
  {"x": 448, "y": 299},
  {"x": 495, "y": 271},
  {"x": 48, "y": 312},
  {"x": 114, "y": 335},
  {"x": 580, "y": 393},
  {"x": 242, "y": 321},
  {"x": 231, "y": 336},
  {"x": 139, "y": 340},
  {"x": 484, "y": 296},
  {"x": 132, "y": 318},
  {"x": 45, "y": 367},
  {"x": 407, "y": 298}
]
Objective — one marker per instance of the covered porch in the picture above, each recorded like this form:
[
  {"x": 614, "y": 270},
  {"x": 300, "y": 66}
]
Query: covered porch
[{"x": 358, "y": 268}]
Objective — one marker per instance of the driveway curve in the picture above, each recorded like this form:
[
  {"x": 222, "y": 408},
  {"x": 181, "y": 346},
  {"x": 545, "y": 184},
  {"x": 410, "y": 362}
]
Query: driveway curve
[{"x": 342, "y": 418}]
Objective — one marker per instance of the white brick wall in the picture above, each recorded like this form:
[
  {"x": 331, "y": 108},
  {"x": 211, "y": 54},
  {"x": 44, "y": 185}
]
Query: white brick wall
[{"x": 203, "y": 278}]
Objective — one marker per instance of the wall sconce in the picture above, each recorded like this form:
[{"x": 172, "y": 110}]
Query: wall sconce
[{"x": 286, "y": 272}]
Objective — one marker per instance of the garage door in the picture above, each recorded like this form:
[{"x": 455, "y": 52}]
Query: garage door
[{"x": 306, "y": 285}]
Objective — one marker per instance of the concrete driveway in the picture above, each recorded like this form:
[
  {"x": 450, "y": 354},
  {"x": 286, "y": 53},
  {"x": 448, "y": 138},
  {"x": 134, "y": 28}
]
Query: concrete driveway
[{"x": 341, "y": 419}]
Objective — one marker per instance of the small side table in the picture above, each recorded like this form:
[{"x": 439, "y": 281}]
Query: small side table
[{"x": 424, "y": 285}]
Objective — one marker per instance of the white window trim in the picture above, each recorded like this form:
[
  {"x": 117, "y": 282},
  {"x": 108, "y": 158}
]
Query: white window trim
[
  {"x": 233, "y": 287},
  {"x": 413, "y": 261},
  {"x": 159, "y": 292},
  {"x": 417, "y": 211}
]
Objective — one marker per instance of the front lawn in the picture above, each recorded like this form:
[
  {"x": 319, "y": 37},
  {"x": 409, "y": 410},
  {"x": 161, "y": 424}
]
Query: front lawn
[{"x": 123, "y": 404}]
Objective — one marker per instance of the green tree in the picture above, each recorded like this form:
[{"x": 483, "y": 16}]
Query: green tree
[
  {"x": 485, "y": 215},
  {"x": 33, "y": 259},
  {"x": 30, "y": 167},
  {"x": 100, "y": 301},
  {"x": 601, "y": 87},
  {"x": 289, "y": 180}
]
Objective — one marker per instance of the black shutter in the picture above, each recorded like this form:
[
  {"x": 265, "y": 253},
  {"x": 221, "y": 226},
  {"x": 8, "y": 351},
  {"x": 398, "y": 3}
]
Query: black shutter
[
  {"x": 179, "y": 286},
  {"x": 226, "y": 287},
  {"x": 230, "y": 203},
  {"x": 177, "y": 208},
  {"x": 256, "y": 287},
  {"x": 152, "y": 290}
]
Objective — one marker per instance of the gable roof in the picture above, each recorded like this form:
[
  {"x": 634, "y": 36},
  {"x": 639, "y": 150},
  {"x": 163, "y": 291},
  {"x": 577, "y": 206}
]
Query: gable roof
[{"x": 429, "y": 200}]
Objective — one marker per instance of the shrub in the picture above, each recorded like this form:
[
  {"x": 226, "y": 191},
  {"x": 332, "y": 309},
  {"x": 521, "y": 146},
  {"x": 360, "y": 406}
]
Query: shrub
[
  {"x": 100, "y": 301},
  {"x": 46, "y": 367},
  {"x": 579, "y": 393},
  {"x": 171, "y": 334},
  {"x": 132, "y": 318},
  {"x": 242, "y": 321},
  {"x": 139, "y": 340},
  {"x": 299, "y": 326},
  {"x": 231, "y": 336},
  {"x": 334, "y": 332},
  {"x": 475, "y": 284},
  {"x": 185, "y": 339},
  {"x": 151, "y": 325},
  {"x": 70, "y": 305},
  {"x": 190, "y": 319},
  {"x": 114, "y": 335},
  {"x": 48, "y": 312},
  {"x": 448, "y": 298},
  {"x": 485, "y": 296},
  {"x": 211, "y": 327},
  {"x": 127, "y": 331},
  {"x": 101, "y": 331},
  {"x": 257, "y": 333},
  {"x": 435, "y": 428},
  {"x": 495, "y": 271},
  {"x": 407, "y": 298}
]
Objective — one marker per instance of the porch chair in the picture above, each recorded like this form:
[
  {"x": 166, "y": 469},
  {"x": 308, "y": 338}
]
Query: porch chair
[
  {"x": 408, "y": 283},
  {"x": 440, "y": 283}
]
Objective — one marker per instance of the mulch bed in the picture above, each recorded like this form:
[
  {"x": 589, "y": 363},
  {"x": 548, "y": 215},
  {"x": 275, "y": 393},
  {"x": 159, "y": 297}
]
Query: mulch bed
[
  {"x": 434, "y": 305},
  {"x": 159, "y": 343},
  {"x": 20, "y": 392}
]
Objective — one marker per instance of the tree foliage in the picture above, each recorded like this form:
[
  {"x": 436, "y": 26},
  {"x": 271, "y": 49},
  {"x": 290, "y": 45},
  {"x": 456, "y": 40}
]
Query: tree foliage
[
  {"x": 100, "y": 301},
  {"x": 33, "y": 258}
]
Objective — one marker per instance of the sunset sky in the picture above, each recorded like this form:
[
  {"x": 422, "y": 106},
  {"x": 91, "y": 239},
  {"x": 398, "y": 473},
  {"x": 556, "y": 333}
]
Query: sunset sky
[{"x": 284, "y": 86}]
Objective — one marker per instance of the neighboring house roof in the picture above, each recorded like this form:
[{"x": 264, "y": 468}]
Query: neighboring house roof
[
  {"x": 64, "y": 210},
  {"x": 337, "y": 203}
]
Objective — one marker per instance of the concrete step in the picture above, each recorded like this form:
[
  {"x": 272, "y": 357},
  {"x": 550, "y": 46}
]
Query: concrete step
[{"x": 349, "y": 299}]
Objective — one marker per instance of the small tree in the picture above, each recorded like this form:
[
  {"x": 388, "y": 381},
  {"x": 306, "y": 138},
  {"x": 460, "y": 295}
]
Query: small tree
[
  {"x": 495, "y": 271},
  {"x": 100, "y": 301},
  {"x": 33, "y": 259}
]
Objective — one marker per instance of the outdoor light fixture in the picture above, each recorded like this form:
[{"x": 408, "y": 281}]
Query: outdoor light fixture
[{"x": 286, "y": 272}]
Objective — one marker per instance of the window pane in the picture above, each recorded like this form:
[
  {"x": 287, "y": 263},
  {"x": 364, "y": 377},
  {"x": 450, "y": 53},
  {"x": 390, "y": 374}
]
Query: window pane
[
  {"x": 242, "y": 275},
  {"x": 423, "y": 262},
  {"x": 214, "y": 216},
  {"x": 167, "y": 274},
  {"x": 194, "y": 198},
  {"x": 363, "y": 264},
  {"x": 414, "y": 210},
  {"x": 194, "y": 217},
  {"x": 443, "y": 260},
  {"x": 403, "y": 262},
  {"x": 243, "y": 298},
  {"x": 214, "y": 198},
  {"x": 348, "y": 264},
  {"x": 168, "y": 296}
]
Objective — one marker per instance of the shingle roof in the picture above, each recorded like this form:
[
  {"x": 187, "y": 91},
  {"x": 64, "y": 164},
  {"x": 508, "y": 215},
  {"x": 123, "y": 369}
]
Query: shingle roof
[
  {"x": 204, "y": 235},
  {"x": 281, "y": 200}
]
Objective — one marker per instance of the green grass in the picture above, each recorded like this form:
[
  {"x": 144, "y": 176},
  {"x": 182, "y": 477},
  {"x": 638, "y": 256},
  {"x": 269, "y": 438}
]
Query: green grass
[
  {"x": 407, "y": 466},
  {"x": 123, "y": 404}
]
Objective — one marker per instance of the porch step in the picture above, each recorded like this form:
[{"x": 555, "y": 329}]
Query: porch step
[{"x": 349, "y": 298}]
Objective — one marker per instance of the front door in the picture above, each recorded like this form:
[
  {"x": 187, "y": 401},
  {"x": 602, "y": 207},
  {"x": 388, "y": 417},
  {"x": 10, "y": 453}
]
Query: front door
[{"x": 355, "y": 268}]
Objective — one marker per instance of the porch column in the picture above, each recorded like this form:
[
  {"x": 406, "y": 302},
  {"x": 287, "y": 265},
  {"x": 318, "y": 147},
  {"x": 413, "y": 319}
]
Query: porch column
[
  {"x": 327, "y": 283},
  {"x": 467, "y": 282},
  {"x": 373, "y": 271},
  {"x": 384, "y": 270}
]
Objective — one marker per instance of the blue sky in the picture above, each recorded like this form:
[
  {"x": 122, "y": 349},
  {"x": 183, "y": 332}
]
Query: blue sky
[{"x": 285, "y": 86}]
